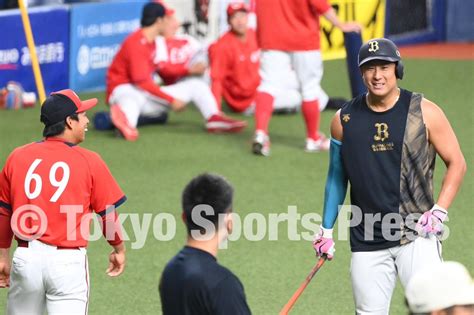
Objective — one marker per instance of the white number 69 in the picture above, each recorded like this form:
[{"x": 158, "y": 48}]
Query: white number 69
[{"x": 60, "y": 184}]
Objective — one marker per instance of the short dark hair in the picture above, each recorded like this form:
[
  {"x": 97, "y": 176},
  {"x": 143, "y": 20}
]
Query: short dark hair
[
  {"x": 151, "y": 12},
  {"x": 58, "y": 128},
  {"x": 207, "y": 189}
]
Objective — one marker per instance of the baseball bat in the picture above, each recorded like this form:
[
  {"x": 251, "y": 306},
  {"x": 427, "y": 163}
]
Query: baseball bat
[{"x": 286, "y": 309}]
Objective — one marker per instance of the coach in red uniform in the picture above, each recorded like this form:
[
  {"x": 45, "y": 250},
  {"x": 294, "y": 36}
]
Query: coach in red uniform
[
  {"x": 288, "y": 34},
  {"x": 48, "y": 192},
  {"x": 131, "y": 91}
]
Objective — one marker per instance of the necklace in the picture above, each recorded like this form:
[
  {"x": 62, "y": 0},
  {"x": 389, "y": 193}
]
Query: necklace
[{"x": 373, "y": 107}]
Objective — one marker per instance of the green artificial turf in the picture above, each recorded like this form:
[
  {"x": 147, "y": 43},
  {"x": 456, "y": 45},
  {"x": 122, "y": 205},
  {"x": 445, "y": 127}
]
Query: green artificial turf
[{"x": 154, "y": 170}]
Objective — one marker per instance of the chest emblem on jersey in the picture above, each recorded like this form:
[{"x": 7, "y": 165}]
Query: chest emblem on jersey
[
  {"x": 346, "y": 118},
  {"x": 382, "y": 134},
  {"x": 373, "y": 46}
]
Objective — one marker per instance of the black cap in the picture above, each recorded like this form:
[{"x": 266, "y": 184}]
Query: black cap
[
  {"x": 379, "y": 49},
  {"x": 59, "y": 105},
  {"x": 152, "y": 11}
]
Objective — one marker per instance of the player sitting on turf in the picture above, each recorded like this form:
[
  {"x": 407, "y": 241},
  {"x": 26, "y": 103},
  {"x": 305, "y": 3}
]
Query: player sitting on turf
[
  {"x": 235, "y": 59},
  {"x": 131, "y": 91}
]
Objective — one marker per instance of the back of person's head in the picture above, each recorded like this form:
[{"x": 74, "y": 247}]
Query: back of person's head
[
  {"x": 151, "y": 12},
  {"x": 208, "y": 196},
  {"x": 447, "y": 287}
]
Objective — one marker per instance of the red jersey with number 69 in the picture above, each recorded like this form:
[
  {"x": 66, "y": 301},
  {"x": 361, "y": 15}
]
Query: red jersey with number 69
[
  {"x": 289, "y": 25},
  {"x": 51, "y": 189}
]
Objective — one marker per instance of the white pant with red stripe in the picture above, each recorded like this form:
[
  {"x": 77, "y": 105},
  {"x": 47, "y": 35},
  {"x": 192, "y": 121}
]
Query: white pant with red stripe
[
  {"x": 374, "y": 274},
  {"x": 44, "y": 278},
  {"x": 134, "y": 101},
  {"x": 277, "y": 68}
]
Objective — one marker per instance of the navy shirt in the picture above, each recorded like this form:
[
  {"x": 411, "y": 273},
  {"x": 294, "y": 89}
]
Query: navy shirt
[
  {"x": 194, "y": 283},
  {"x": 389, "y": 163}
]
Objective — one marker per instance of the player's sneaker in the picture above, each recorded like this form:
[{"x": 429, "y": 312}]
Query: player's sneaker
[
  {"x": 261, "y": 143},
  {"x": 222, "y": 123},
  {"x": 120, "y": 122},
  {"x": 322, "y": 144}
]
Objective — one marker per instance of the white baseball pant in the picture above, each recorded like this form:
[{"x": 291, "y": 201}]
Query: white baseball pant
[
  {"x": 135, "y": 102},
  {"x": 374, "y": 274},
  {"x": 44, "y": 278},
  {"x": 276, "y": 65}
]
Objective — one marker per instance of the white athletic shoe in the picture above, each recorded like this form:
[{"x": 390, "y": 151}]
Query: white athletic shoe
[
  {"x": 322, "y": 144},
  {"x": 261, "y": 143}
]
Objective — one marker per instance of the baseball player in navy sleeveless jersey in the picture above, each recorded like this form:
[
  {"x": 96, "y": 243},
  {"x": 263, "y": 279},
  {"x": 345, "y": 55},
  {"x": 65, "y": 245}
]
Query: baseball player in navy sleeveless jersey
[{"x": 385, "y": 143}]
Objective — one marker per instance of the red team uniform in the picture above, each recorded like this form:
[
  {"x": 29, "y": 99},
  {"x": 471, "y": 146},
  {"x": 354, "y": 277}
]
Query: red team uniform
[
  {"x": 288, "y": 34},
  {"x": 134, "y": 64},
  {"x": 50, "y": 174},
  {"x": 174, "y": 59},
  {"x": 132, "y": 93},
  {"x": 234, "y": 70},
  {"x": 290, "y": 25},
  {"x": 49, "y": 192}
]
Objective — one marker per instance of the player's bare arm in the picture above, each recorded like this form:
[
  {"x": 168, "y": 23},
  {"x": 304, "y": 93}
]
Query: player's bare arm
[
  {"x": 5, "y": 267},
  {"x": 177, "y": 105},
  {"x": 442, "y": 137},
  {"x": 331, "y": 16},
  {"x": 116, "y": 261},
  {"x": 197, "y": 68},
  {"x": 336, "y": 127}
]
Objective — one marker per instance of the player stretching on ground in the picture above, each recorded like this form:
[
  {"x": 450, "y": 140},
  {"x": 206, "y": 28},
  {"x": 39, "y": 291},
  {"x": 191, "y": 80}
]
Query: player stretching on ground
[
  {"x": 235, "y": 61},
  {"x": 181, "y": 63},
  {"x": 131, "y": 91},
  {"x": 385, "y": 143},
  {"x": 48, "y": 190}
]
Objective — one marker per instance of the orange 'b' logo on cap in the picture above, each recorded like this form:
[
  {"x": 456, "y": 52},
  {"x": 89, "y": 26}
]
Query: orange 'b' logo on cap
[{"x": 373, "y": 46}]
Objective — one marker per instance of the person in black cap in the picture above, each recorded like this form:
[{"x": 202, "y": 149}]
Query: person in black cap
[
  {"x": 193, "y": 282},
  {"x": 384, "y": 142},
  {"x": 48, "y": 190}
]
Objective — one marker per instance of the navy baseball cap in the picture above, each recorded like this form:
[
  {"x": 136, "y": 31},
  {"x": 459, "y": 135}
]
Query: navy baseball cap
[
  {"x": 59, "y": 105},
  {"x": 379, "y": 49}
]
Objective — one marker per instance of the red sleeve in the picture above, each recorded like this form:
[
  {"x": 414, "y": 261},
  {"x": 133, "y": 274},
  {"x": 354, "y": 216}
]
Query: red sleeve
[
  {"x": 6, "y": 233},
  {"x": 172, "y": 72},
  {"x": 141, "y": 68},
  {"x": 218, "y": 66},
  {"x": 105, "y": 198},
  {"x": 154, "y": 89},
  {"x": 321, "y": 6}
]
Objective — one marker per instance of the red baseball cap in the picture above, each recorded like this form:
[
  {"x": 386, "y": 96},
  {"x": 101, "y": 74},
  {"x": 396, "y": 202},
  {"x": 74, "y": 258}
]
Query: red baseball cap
[
  {"x": 234, "y": 7},
  {"x": 59, "y": 105},
  {"x": 168, "y": 10}
]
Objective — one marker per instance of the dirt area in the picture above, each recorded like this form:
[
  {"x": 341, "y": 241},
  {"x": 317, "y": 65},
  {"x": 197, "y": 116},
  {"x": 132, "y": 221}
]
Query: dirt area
[{"x": 445, "y": 51}]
